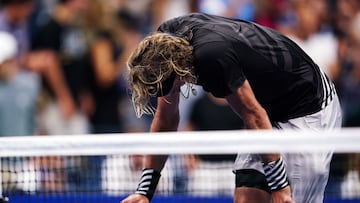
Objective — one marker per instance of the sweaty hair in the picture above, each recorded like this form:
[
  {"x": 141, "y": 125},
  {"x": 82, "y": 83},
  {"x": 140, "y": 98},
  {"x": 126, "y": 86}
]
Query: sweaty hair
[{"x": 157, "y": 58}]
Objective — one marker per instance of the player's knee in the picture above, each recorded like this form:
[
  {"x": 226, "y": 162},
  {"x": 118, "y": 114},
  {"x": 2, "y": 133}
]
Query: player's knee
[
  {"x": 251, "y": 195},
  {"x": 319, "y": 171}
]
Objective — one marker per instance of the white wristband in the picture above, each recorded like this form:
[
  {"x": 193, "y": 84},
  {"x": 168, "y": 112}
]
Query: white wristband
[
  {"x": 276, "y": 175},
  {"x": 148, "y": 183}
]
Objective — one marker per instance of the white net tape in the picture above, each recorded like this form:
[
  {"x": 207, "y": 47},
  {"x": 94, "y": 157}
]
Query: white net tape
[{"x": 216, "y": 142}]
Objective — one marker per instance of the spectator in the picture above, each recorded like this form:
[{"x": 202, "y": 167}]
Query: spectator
[
  {"x": 60, "y": 34},
  {"x": 14, "y": 16},
  {"x": 347, "y": 27},
  {"x": 20, "y": 86},
  {"x": 109, "y": 45},
  {"x": 17, "y": 105},
  {"x": 349, "y": 78},
  {"x": 112, "y": 41},
  {"x": 17, "y": 92},
  {"x": 18, "y": 96},
  {"x": 320, "y": 45},
  {"x": 344, "y": 167}
]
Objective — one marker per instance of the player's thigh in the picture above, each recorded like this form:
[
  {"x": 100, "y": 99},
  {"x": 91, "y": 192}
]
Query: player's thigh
[{"x": 308, "y": 174}]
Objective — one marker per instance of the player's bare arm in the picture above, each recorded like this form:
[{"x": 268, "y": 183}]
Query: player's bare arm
[
  {"x": 166, "y": 118},
  {"x": 244, "y": 102}
]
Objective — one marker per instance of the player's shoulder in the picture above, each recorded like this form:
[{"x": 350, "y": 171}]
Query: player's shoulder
[
  {"x": 172, "y": 24},
  {"x": 210, "y": 45}
]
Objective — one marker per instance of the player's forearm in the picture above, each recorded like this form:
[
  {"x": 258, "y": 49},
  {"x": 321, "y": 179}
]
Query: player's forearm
[
  {"x": 257, "y": 118},
  {"x": 155, "y": 162},
  {"x": 150, "y": 176},
  {"x": 260, "y": 120},
  {"x": 264, "y": 123}
]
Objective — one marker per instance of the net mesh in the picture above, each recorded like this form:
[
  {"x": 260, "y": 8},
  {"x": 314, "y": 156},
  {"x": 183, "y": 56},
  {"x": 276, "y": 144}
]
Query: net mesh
[{"x": 106, "y": 168}]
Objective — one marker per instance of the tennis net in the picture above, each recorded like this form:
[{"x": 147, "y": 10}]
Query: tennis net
[{"x": 107, "y": 167}]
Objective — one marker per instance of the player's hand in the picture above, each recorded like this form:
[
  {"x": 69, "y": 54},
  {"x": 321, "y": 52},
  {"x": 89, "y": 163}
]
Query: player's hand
[
  {"x": 135, "y": 198},
  {"x": 282, "y": 196}
]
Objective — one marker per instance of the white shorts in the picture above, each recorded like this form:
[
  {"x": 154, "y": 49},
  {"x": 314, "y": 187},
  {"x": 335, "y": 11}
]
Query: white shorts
[{"x": 307, "y": 172}]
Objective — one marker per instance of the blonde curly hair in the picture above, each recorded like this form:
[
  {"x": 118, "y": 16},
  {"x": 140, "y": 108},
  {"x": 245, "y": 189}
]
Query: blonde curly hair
[{"x": 157, "y": 58}]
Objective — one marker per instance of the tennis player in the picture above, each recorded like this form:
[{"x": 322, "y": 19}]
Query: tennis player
[{"x": 265, "y": 77}]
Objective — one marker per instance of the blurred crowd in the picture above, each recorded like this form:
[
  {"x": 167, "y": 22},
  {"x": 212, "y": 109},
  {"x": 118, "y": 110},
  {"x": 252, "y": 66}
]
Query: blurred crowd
[{"x": 66, "y": 71}]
